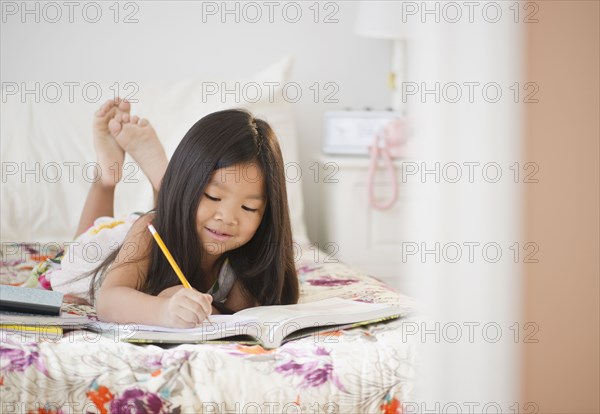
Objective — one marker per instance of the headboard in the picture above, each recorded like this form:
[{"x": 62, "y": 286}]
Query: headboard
[{"x": 48, "y": 158}]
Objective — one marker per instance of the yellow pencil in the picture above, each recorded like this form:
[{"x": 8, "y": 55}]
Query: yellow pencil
[{"x": 169, "y": 257}]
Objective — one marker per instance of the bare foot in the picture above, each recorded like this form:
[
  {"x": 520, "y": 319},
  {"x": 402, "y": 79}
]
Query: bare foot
[
  {"x": 109, "y": 154},
  {"x": 137, "y": 137}
]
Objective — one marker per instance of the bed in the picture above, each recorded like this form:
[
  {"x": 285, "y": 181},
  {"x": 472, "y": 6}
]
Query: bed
[
  {"x": 361, "y": 370},
  {"x": 367, "y": 370}
]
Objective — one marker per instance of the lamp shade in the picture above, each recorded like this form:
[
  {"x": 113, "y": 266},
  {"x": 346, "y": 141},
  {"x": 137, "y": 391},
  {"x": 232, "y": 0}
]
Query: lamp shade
[{"x": 380, "y": 19}]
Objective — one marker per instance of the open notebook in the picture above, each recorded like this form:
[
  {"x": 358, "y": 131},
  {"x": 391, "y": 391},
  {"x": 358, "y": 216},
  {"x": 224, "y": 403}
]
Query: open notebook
[{"x": 270, "y": 326}]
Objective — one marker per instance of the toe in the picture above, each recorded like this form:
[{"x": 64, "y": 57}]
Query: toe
[
  {"x": 135, "y": 119},
  {"x": 114, "y": 126},
  {"x": 109, "y": 108},
  {"x": 126, "y": 118},
  {"x": 104, "y": 108},
  {"x": 113, "y": 103},
  {"x": 143, "y": 122},
  {"x": 124, "y": 105}
]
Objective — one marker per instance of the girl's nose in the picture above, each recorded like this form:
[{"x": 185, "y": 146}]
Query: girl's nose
[{"x": 226, "y": 216}]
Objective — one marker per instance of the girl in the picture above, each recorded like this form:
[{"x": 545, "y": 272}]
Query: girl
[{"x": 221, "y": 209}]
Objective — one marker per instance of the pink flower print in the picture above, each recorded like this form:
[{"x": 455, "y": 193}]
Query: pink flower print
[{"x": 331, "y": 281}]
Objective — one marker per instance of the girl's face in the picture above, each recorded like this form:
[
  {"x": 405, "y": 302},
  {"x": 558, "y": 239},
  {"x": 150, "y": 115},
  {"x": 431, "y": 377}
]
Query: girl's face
[{"x": 231, "y": 208}]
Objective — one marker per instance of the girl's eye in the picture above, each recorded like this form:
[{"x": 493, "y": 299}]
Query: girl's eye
[
  {"x": 211, "y": 198},
  {"x": 253, "y": 210}
]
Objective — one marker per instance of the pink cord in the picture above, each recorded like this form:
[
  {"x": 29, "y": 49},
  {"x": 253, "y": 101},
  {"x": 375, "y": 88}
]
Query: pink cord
[{"x": 393, "y": 139}]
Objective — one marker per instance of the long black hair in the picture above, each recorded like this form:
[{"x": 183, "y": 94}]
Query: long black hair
[{"x": 265, "y": 264}]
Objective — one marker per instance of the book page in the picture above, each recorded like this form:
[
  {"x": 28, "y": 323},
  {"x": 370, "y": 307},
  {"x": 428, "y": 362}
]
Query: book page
[
  {"x": 332, "y": 307},
  {"x": 219, "y": 322},
  {"x": 219, "y": 326},
  {"x": 279, "y": 321}
]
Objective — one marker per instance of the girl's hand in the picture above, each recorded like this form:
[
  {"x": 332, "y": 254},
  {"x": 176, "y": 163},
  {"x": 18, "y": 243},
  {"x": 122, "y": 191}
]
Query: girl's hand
[
  {"x": 168, "y": 292},
  {"x": 186, "y": 308}
]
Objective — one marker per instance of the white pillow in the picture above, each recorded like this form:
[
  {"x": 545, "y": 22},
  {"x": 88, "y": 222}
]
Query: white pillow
[{"x": 48, "y": 157}]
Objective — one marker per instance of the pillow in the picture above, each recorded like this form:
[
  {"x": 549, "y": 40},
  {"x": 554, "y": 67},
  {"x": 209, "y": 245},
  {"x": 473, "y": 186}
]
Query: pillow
[{"x": 48, "y": 157}]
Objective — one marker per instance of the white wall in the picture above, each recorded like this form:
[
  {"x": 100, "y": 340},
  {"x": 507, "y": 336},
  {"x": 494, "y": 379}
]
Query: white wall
[
  {"x": 476, "y": 295},
  {"x": 171, "y": 41}
]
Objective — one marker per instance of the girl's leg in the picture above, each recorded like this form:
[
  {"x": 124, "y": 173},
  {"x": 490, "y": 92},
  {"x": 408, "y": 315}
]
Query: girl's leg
[
  {"x": 99, "y": 202},
  {"x": 110, "y": 156}
]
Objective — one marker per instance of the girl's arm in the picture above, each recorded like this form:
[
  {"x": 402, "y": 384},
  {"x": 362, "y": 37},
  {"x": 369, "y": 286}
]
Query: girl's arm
[{"x": 118, "y": 299}]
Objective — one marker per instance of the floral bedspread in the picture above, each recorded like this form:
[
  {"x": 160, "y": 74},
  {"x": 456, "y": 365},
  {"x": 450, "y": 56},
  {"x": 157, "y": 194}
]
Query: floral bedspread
[{"x": 361, "y": 370}]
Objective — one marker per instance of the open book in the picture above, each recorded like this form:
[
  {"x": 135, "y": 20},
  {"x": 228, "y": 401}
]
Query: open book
[{"x": 270, "y": 326}]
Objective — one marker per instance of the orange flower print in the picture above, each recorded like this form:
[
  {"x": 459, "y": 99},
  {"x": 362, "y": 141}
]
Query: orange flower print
[
  {"x": 253, "y": 350},
  {"x": 100, "y": 397},
  {"x": 391, "y": 406}
]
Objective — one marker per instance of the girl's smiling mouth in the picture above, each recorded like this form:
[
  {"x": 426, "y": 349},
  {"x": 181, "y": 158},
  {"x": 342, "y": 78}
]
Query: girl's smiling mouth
[{"x": 217, "y": 235}]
